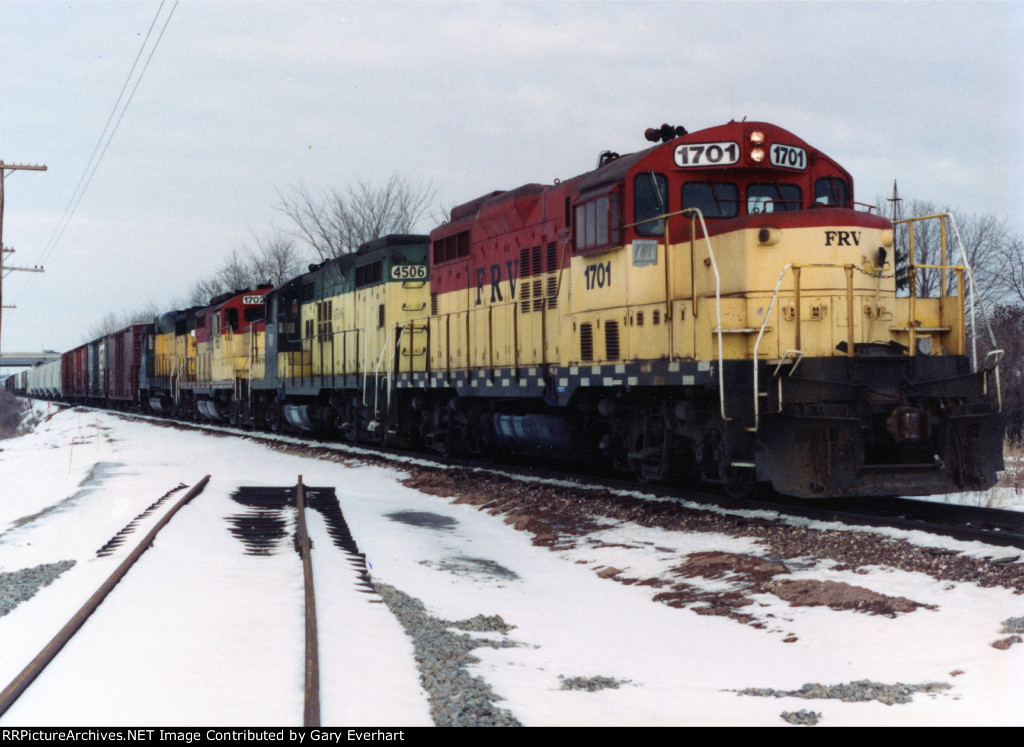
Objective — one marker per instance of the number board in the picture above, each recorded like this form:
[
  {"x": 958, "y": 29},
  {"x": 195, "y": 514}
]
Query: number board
[
  {"x": 706, "y": 154},
  {"x": 252, "y": 300},
  {"x": 788, "y": 156},
  {"x": 408, "y": 272}
]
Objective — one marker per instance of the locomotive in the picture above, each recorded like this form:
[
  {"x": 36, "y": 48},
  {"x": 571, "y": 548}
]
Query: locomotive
[{"x": 713, "y": 308}]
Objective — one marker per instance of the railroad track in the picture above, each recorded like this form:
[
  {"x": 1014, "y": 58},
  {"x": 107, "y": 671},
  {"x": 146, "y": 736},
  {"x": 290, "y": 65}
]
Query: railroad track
[
  {"x": 264, "y": 527},
  {"x": 34, "y": 668},
  {"x": 970, "y": 523}
]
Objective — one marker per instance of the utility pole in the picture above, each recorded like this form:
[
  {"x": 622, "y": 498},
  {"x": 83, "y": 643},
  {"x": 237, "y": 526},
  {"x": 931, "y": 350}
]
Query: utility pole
[
  {"x": 899, "y": 252},
  {"x": 4, "y": 168}
]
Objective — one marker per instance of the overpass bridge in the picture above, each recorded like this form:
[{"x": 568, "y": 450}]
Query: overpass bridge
[{"x": 27, "y": 360}]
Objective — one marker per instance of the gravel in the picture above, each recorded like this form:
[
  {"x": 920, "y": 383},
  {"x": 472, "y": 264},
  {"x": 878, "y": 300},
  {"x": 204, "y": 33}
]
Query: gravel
[
  {"x": 801, "y": 718},
  {"x": 853, "y": 692},
  {"x": 457, "y": 698},
  {"x": 556, "y": 515},
  {"x": 19, "y": 586},
  {"x": 1013, "y": 625},
  {"x": 590, "y": 684}
]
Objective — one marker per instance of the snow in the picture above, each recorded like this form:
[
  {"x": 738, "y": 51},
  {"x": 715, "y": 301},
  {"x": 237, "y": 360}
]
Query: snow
[{"x": 201, "y": 633}]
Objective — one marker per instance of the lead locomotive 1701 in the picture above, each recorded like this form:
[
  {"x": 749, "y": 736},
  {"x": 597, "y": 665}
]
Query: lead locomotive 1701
[{"x": 713, "y": 308}]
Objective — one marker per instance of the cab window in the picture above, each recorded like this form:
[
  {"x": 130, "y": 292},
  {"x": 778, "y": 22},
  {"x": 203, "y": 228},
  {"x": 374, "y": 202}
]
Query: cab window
[
  {"x": 772, "y": 198},
  {"x": 650, "y": 200},
  {"x": 597, "y": 222},
  {"x": 831, "y": 190},
  {"x": 713, "y": 199}
]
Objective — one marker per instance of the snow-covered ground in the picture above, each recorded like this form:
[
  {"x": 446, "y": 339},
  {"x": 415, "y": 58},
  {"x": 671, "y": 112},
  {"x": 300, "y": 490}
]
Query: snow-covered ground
[{"x": 200, "y": 633}]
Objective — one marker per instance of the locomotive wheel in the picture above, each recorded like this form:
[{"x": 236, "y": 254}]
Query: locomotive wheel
[{"x": 740, "y": 484}]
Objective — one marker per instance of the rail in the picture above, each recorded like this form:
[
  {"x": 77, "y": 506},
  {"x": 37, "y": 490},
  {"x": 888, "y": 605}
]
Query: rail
[
  {"x": 34, "y": 668},
  {"x": 311, "y": 710}
]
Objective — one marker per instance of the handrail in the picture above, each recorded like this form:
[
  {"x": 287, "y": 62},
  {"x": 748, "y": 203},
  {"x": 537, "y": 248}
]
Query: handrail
[
  {"x": 176, "y": 379},
  {"x": 376, "y": 371},
  {"x": 975, "y": 297},
  {"x": 696, "y": 213},
  {"x": 760, "y": 334}
]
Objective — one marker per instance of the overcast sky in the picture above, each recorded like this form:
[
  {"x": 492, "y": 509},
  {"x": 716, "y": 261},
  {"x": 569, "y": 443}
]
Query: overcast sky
[{"x": 243, "y": 99}]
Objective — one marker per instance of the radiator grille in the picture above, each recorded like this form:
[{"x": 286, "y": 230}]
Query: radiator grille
[
  {"x": 586, "y": 342},
  {"x": 611, "y": 340}
]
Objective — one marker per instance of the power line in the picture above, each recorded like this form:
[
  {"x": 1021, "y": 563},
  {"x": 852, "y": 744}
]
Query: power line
[
  {"x": 94, "y": 161},
  {"x": 62, "y": 223}
]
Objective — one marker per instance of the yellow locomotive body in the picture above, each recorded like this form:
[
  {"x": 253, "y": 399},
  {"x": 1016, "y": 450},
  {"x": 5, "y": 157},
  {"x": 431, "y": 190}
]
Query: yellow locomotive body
[
  {"x": 169, "y": 360},
  {"x": 713, "y": 308},
  {"x": 700, "y": 310},
  {"x": 340, "y": 334},
  {"x": 230, "y": 350}
]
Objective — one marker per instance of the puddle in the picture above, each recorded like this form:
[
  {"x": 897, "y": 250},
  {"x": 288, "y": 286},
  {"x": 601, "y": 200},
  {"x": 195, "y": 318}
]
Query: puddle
[
  {"x": 424, "y": 519},
  {"x": 465, "y": 565}
]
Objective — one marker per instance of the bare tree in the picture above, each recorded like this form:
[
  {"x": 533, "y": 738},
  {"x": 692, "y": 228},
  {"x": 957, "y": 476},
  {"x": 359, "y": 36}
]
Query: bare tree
[
  {"x": 339, "y": 221},
  {"x": 204, "y": 290},
  {"x": 115, "y": 321},
  {"x": 274, "y": 259},
  {"x": 984, "y": 240},
  {"x": 1011, "y": 276}
]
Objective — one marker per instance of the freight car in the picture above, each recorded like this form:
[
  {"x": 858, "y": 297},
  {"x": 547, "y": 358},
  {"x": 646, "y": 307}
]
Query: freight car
[
  {"x": 43, "y": 381},
  {"x": 105, "y": 371},
  {"x": 712, "y": 308}
]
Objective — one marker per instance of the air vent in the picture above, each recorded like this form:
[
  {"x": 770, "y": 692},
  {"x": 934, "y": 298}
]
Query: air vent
[
  {"x": 433, "y": 304},
  {"x": 552, "y": 291},
  {"x": 586, "y": 342},
  {"x": 611, "y": 340},
  {"x": 552, "y": 252}
]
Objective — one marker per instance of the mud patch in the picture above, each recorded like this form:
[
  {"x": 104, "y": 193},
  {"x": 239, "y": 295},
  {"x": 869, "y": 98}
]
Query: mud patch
[
  {"x": 719, "y": 564},
  {"x": 555, "y": 525},
  {"x": 705, "y": 602},
  {"x": 755, "y": 575},
  {"x": 433, "y": 483},
  {"x": 838, "y": 595}
]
